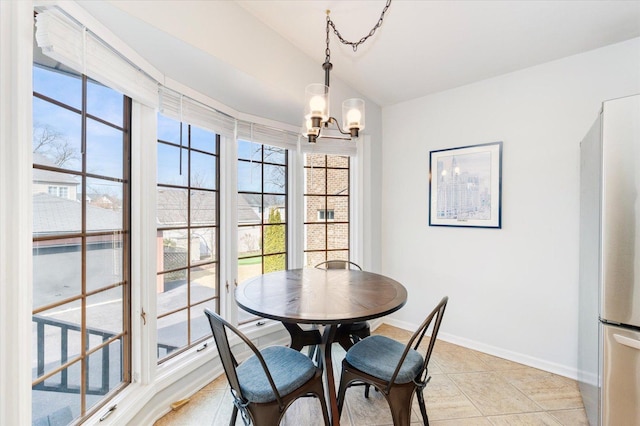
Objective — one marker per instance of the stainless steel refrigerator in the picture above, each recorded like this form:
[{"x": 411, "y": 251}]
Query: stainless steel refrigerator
[{"x": 609, "y": 302}]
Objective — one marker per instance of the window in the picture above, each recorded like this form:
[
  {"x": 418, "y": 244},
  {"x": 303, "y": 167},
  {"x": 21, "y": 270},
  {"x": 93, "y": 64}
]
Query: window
[
  {"x": 262, "y": 211},
  {"x": 187, "y": 209},
  {"x": 325, "y": 214},
  {"x": 81, "y": 282},
  {"x": 326, "y": 204},
  {"x": 59, "y": 191}
]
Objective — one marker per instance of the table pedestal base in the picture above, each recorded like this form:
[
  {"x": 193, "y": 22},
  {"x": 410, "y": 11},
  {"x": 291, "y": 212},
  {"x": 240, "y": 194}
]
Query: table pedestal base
[{"x": 328, "y": 338}]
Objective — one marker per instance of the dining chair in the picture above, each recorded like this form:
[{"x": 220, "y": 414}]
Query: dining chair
[
  {"x": 395, "y": 369},
  {"x": 338, "y": 264},
  {"x": 269, "y": 381},
  {"x": 347, "y": 334}
]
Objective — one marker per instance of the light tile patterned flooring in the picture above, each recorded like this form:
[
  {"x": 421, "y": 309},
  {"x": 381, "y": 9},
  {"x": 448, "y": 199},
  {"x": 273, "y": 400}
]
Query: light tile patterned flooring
[{"x": 468, "y": 388}]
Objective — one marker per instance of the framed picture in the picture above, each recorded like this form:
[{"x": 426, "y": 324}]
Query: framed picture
[{"x": 465, "y": 186}]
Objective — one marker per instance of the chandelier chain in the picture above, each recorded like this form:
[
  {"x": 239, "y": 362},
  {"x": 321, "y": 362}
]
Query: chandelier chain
[
  {"x": 327, "y": 51},
  {"x": 353, "y": 44},
  {"x": 315, "y": 115}
]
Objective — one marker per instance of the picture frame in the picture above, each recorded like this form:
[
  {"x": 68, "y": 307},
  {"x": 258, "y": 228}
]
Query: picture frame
[{"x": 465, "y": 186}]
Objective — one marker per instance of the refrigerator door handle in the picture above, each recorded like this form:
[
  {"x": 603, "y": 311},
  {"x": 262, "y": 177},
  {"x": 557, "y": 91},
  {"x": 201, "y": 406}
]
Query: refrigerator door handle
[{"x": 624, "y": 340}]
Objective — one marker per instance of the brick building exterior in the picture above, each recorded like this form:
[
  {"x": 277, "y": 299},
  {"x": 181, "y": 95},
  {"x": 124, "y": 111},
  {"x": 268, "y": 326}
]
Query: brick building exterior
[{"x": 326, "y": 208}]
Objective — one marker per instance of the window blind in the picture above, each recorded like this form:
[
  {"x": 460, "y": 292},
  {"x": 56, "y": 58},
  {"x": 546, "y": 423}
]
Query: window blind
[
  {"x": 330, "y": 147},
  {"x": 180, "y": 107},
  {"x": 67, "y": 41},
  {"x": 259, "y": 133}
]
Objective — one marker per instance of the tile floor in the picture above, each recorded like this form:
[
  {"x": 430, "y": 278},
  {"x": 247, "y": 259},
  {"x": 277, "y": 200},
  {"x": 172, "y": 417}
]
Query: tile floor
[{"x": 467, "y": 388}]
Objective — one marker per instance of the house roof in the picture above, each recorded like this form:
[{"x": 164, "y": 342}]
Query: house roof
[
  {"x": 41, "y": 176},
  {"x": 57, "y": 215},
  {"x": 172, "y": 207}
]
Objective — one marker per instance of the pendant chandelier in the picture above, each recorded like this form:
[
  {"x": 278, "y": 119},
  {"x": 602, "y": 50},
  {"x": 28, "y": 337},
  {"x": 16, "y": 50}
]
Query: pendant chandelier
[{"x": 316, "y": 112}]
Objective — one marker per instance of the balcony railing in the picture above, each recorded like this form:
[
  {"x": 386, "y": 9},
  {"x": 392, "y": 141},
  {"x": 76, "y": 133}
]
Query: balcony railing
[
  {"x": 72, "y": 385},
  {"x": 65, "y": 385}
]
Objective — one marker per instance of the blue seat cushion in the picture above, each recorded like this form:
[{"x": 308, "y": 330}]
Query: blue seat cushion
[
  {"x": 378, "y": 356},
  {"x": 290, "y": 369}
]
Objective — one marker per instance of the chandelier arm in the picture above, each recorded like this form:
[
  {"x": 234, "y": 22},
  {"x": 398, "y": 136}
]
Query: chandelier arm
[
  {"x": 334, "y": 121},
  {"x": 338, "y": 138},
  {"x": 353, "y": 44}
]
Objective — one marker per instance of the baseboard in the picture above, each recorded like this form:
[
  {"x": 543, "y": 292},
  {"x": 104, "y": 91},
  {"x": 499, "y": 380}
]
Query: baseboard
[
  {"x": 271, "y": 333},
  {"x": 541, "y": 364},
  {"x": 161, "y": 402},
  {"x": 373, "y": 324}
]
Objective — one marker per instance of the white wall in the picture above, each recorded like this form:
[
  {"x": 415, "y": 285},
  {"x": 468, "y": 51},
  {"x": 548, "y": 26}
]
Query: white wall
[{"x": 514, "y": 291}]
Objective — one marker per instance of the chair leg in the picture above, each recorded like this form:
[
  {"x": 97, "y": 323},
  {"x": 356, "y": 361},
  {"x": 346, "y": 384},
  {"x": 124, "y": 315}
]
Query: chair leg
[
  {"x": 399, "y": 399},
  {"x": 311, "y": 350},
  {"x": 344, "y": 383},
  {"x": 319, "y": 393},
  {"x": 265, "y": 414},
  {"x": 423, "y": 409},
  {"x": 234, "y": 415}
]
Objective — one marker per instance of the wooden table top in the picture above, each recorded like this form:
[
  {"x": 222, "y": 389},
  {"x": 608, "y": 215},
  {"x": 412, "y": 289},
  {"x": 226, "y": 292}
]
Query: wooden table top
[{"x": 321, "y": 296}]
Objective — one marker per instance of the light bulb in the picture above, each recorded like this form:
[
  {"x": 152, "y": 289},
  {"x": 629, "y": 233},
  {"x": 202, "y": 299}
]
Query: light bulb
[
  {"x": 317, "y": 105},
  {"x": 353, "y": 117},
  {"x": 457, "y": 170},
  {"x": 444, "y": 173}
]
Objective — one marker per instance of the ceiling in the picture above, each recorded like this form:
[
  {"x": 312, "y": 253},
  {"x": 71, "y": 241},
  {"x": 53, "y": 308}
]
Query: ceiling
[{"x": 425, "y": 47}]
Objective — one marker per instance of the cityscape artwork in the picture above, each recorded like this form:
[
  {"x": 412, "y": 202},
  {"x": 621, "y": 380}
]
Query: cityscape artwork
[{"x": 465, "y": 186}]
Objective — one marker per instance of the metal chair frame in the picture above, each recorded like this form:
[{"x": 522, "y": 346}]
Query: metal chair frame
[
  {"x": 338, "y": 264},
  {"x": 260, "y": 414},
  {"x": 399, "y": 395}
]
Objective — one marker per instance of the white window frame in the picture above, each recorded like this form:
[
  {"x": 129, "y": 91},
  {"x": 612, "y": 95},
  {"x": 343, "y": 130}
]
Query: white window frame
[{"x": 153, "y": 387}]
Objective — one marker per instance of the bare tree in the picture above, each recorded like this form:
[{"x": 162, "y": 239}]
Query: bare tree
[
  {"x": 276, "y": 175},
  {"x": 53, "y": 144}
]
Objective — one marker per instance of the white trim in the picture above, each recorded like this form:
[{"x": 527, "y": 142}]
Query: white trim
[
  {"x": 541, "y": 364},
  {"x": 229, "y": 232},
  {"x": 143, "y": 242},
  {"x": 295, "y": 220},
  {"x": 365, "y": 199},
  {"x": 16, "y": 211},
  {"x": 356, "y": 193}
]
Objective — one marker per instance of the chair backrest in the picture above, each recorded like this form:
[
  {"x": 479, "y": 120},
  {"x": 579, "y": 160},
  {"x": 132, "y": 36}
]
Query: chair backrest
[
  {"x": 338, "y": 264},
  {"x": 435, "y": 318},
  {"x": 219, "y": 328}
]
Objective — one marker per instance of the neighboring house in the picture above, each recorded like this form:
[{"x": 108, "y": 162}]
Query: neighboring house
[
  {"x": 53, "y": 183},
  {"x": 172, "y": 243},
  {"x": 249, "y": 213},
  {"x": 56, "y": 215}
]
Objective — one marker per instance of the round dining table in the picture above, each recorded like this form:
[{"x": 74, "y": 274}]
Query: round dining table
[{"x": 328, "y": 297}]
